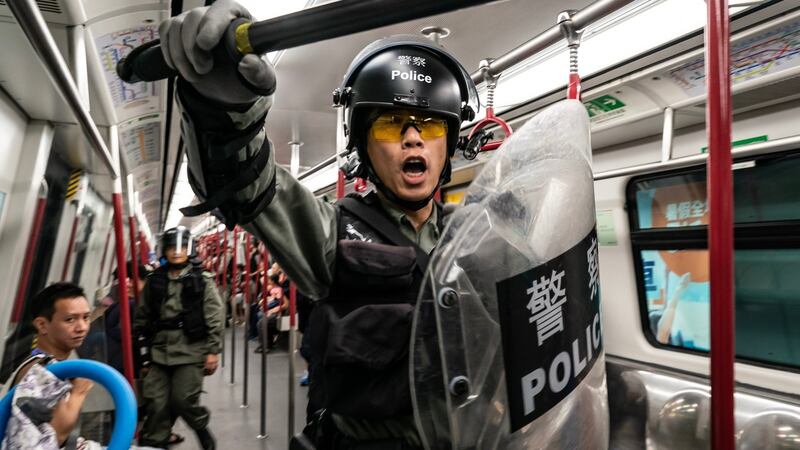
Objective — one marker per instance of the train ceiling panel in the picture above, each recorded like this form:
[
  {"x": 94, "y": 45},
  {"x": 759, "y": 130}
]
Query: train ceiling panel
[
  {"x": 114, "y": 38},
  {"x": 25, "y": 80},
  {"x": 765, "y": 69},
  {"x": 62, "y": 12},
  {"x": 140, "y": 140},
  {"x": 97, "y": 10}
]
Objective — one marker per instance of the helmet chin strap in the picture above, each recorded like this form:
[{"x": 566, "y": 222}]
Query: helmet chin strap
[
  {"x": 409, "y": 205},
  {"x": 179, "y": 265}
]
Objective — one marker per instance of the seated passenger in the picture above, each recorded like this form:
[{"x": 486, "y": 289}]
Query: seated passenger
[
  {"x": 275, "y": 303},
  {"x": 47, "y": 408},
  {"x": 61, "y": 318}
]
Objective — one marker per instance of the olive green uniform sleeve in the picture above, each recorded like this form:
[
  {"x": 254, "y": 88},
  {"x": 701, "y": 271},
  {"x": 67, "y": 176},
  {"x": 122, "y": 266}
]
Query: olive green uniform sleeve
[
  {"x": 298, "y": 229},
  {"x": 214, "y": 314}
]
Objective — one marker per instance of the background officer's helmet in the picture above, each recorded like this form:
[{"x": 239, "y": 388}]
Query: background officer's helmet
[{"x": 179, "y": 236}]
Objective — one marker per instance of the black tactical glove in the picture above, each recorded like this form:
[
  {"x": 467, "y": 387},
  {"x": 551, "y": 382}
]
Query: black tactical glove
[
  {"x": 187, "y": 41},
  {"x": 145, "y": 356}
]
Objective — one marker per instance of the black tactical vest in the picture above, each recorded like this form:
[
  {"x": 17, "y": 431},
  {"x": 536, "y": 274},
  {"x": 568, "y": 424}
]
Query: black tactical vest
[
  {"x": 192, "y": 319},
  {"x": 360, "y": 333}
]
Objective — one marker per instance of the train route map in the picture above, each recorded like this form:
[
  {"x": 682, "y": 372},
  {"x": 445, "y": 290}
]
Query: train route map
[
  {"x": 764, "y": 53},
  {"x": 115, "y": 46}
]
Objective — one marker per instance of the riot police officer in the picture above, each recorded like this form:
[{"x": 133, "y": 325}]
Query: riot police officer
[
  {"x": 179, "y": 324},
  {"x": 404, "y": 98}
]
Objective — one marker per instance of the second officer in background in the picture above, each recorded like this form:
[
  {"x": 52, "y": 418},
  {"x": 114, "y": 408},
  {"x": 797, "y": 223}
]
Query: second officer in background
[{"x": 179, "y": 324}]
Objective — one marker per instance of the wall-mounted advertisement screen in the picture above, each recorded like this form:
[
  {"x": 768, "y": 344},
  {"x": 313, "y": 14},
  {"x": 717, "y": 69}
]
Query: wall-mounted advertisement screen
[
  {"x": 677, "y": 291},
  {"x": 767, "y": 301}
]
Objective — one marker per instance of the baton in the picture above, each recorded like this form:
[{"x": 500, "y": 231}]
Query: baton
[{"x": 146, "y": 62}]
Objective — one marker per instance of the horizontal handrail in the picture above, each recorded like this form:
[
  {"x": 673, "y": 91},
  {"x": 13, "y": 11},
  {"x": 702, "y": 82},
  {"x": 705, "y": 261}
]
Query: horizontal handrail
[
  {"x": 33, "y": 25},
  {"x": 553, "y": 35},
  {"x": 760, "y": 148}
]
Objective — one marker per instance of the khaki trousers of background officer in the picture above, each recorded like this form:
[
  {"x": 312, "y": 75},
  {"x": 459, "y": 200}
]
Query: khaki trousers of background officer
[{"x": 170, "y": 392}]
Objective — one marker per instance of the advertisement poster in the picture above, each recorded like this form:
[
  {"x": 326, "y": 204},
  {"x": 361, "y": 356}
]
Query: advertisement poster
[
  {"x": 676, "y": 281},
  {"x": 677, "y": 290}
]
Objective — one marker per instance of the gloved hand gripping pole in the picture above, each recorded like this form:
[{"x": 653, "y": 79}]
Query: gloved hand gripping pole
[{"x": 573, "y": 37}]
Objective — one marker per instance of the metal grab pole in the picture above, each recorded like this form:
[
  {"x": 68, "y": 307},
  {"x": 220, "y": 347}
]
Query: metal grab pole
[
  {"x": 580, "y": 20},
  {"x": 122, "y": 275},
  {"x": 71, "y": 243},
  {"x": 263, "y": 407},
  {"x": 103, "y": 258},
  {"x": 224, "y": 272},
  {"x": 132, "y": 231},
  {"x": 134, "y": 259},
  {"x": 232, "y": 299},
  {"x": 30, "y": 252},
  {"x": 247, "y": 301},
  {"x": 292, "y": 350},
  {"x": 35, "y": 28},
  {"x": 720, "y": 229}
]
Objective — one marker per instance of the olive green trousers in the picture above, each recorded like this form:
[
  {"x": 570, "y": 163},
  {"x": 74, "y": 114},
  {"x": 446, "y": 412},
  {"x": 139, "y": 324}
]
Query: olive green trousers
[{"x": 170, "y": 392}]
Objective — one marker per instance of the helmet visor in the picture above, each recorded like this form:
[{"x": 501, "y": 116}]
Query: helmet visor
[
  {"x": 180, "y": 240},
  {"x": 390, "y": 126}
]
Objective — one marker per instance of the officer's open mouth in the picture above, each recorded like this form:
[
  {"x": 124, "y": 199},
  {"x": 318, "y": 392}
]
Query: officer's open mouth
[{"x": 414, "y": 166}]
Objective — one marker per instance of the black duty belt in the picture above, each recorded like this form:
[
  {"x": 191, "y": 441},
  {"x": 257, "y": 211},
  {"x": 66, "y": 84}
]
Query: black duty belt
[{"x": 171, "y": 324}]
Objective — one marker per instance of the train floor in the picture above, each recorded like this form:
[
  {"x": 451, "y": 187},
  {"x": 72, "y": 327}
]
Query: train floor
[{"x": 236, "y": 427}]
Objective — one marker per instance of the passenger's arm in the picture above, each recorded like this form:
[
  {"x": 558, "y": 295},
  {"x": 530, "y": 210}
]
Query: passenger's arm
[
  {"x": 668, "y": 318},
  {"x": 67, "y": 410},
  {"x": 214, "y": 311}
]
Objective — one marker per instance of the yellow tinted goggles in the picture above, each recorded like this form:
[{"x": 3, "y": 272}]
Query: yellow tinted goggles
[{"x": 389, "y": 127}]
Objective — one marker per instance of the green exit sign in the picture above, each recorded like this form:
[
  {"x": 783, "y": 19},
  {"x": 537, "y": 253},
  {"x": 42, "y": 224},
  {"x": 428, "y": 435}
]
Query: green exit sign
[{"x": 603, "y": 104}]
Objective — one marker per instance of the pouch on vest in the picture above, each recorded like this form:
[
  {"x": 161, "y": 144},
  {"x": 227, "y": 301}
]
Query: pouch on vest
[
  {"x": 366, "y": 266},
  {"x": 363, "y": 346},
  {"x": 193, "y": 315},
  {"x": 366, "y": 360}
]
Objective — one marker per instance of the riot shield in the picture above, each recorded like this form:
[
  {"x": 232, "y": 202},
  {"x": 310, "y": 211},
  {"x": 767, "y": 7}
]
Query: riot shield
[{"x": 507, "y": 340}]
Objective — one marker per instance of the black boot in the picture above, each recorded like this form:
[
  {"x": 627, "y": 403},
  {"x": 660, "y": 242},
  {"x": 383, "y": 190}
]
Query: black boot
[{"x": 207, "y": 440}]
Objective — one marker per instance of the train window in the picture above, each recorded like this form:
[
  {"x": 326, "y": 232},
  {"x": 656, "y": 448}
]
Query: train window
[
  {"x": 764, "y": 191},
  {"x": 669, "y": 220},
  {"x": 766, "y": 301}
]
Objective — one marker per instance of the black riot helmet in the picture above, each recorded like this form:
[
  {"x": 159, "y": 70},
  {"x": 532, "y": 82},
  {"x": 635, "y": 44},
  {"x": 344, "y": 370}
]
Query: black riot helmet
[
  {"x": 404, "y": 72},
  {"x": 178, "y": 237}
]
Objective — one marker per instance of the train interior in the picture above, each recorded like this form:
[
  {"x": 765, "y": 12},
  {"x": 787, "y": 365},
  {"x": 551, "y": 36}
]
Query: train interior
[{"x": 644, "y": 89}]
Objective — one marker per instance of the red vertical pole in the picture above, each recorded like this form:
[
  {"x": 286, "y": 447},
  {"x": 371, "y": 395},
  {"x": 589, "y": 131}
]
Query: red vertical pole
[
  {"x": 265, "y": 264},
  {"x": 234, "y": 264},
  {"x": 124, "y": 311},
  {"x": 144, "y": 249},
  {"x": 720, "y": 230},
  {"x": 223, "y": 261},
  {"x": 134, "y": 259},
  {"x": 70, "y": 245},
  {"x": 340, "y": 185},
  {"x": 30, "y": 252},
  {"x": 217, "y": 252},
  {"x": 248, "y": 250},
  {"x": 292, "y": 305}
]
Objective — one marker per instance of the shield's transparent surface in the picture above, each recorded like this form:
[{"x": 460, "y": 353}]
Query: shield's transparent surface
[{"x": 531, "y": 203}]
